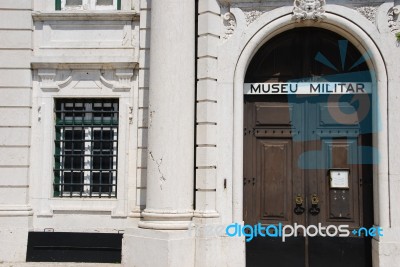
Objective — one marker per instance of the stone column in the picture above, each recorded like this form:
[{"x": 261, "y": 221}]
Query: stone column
[{"x": 170, "y": 159}]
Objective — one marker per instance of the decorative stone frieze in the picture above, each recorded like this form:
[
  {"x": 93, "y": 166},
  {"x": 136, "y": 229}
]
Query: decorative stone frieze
[
  {"x": 53, "y": 80},
  {"x": 252, "y": 16}
]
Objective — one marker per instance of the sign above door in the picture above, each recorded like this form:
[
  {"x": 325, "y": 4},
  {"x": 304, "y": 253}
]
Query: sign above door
[{"x": 306, "y": 88}]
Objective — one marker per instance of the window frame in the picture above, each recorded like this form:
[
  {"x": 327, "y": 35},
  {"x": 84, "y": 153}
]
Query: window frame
[
  {"x": 88, "y": 125},
  {"x": 87, "y": 5}
]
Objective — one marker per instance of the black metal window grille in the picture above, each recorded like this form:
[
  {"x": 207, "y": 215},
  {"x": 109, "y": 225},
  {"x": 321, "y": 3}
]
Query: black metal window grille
[{"x": 86, "y": 146}]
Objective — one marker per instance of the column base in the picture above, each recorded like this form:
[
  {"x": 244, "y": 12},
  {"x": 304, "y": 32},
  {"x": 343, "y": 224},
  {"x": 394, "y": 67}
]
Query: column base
[
  {"x": 166, "y": 219},
  {"x": 149, "y": 248}
]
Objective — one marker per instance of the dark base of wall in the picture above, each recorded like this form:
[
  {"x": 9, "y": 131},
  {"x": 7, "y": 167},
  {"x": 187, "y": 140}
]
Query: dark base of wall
[{"x": 74, "y": 247}]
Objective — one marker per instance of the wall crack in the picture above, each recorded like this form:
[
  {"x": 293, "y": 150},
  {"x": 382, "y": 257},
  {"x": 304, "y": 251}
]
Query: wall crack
[{"x": 158, "y": 163}]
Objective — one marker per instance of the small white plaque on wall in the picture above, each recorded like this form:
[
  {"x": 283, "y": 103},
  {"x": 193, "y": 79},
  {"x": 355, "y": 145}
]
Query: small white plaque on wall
[{"x": 339, "y": 178}]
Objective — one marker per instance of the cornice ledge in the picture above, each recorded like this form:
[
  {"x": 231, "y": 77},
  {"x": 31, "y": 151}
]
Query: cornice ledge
[
  {"x": 84, "y": 63},
  {"x": 86, "y": 15}
]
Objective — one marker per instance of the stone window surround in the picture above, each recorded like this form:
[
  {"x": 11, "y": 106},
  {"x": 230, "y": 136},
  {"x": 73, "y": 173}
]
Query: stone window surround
[{"x": 64, "y": 82}]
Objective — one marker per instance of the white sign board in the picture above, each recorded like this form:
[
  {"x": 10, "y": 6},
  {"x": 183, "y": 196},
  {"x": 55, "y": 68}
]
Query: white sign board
[{"x": 307, "y": 88}]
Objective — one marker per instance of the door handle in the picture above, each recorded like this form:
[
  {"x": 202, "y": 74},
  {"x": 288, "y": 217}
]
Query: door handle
[
  {"x": 314, "y": 210},
  {"x": 299, "y": 209}
]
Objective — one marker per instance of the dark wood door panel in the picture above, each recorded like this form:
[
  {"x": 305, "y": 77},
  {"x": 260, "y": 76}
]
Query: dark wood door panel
[
  {"x": 337, "y": 115},
  {"x": 274, "y": 173},
  {"x": 273, "y": 114}
]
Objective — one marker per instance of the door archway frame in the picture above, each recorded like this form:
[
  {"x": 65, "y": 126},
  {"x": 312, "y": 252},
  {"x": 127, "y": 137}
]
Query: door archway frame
[{"x": 364, "y": 37}]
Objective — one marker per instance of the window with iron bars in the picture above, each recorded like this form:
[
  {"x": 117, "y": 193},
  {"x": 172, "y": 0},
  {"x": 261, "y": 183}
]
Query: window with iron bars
[
  {"x": 88, "y": 4},
  {"x": 86, "y": 146}
]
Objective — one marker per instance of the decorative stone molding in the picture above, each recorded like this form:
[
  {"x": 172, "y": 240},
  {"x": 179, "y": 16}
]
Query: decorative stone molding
[
  {"x": 308, "y": 9},
  {"x": 124, "y": 80},
  {"x": 166, "y": 219},
  {"x": 15, "y": 210},
  {"x": 252, "y": 16},
  {"x": 206, "y": 214},
  {"x": 224, "y": 2},
  {"x": 369, "y": 12},
  {"x": 230, "y": 24},
  {"x": 53, "y": 80},
  {"x": 393, "y": 19},
  {"x": 48, "y": 83},
  {"x": 396, "y": 10}
]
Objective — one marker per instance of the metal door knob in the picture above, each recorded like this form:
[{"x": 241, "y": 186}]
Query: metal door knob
[
  {"x": 314, "y": 210},
  {"x": 299, "y": 209}
]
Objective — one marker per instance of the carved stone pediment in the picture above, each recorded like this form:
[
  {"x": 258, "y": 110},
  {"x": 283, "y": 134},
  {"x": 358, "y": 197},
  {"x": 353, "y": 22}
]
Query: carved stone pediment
[{"x": 309, "y": 9}]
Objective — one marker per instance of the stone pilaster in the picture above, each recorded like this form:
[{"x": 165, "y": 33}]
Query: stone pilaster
[
  {"x": 15, "y": 128},
  {"x": 209, "y": 30}
]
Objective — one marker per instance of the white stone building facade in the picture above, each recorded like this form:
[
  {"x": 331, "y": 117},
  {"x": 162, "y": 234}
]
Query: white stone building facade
[{"x": 176, "y": 69}]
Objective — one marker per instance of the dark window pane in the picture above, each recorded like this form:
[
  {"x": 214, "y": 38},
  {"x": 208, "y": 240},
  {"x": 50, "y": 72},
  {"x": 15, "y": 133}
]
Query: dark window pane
[
  {"x": 74, "y": 139},
  {"x": 104, "y": 113},
  {"x": 73, "y": 111},
  {"x": 73, "y": 162},
  {"x": 73, "y": 2},
  {"x": 102, "y": 139},
  {"x": 101, "y": 182},
  {"x": 102, "y": 162},
  {"x": 73, "y": 182},
  {"x": 105, "y": 2}
]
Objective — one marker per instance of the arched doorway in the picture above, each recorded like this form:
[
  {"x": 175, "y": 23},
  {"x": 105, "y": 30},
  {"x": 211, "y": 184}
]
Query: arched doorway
[{"x": 296, "y": 145}]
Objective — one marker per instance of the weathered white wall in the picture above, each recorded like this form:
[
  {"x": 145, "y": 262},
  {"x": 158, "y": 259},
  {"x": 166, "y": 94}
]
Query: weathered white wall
[{"x": 15, "y": 127}]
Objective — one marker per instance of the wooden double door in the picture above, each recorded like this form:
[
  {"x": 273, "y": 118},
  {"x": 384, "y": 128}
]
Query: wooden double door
[{"x": 293, "y": 144}]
